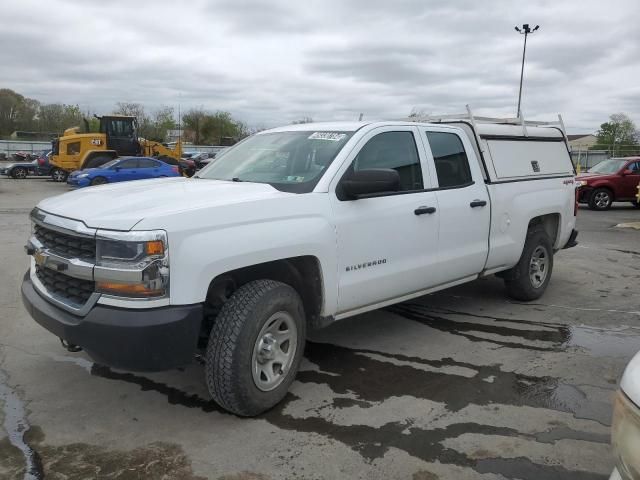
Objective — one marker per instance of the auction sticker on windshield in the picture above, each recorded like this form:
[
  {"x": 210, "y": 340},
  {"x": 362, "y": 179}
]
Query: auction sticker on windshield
[{"x": 332, "y": 136}]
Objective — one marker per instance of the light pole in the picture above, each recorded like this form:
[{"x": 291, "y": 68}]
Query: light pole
[{"x": 525, "y": 30}]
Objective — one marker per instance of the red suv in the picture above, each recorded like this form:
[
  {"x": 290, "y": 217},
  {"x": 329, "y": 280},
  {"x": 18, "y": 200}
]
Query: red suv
[{"x": 613, "y": 180}]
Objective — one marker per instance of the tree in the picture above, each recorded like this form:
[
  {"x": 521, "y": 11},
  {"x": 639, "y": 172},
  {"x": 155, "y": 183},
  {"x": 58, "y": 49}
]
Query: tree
[
  {"x": 619, "y": 135},
  {"x": 16, "y": 112},
  {"x": 193, "y": 122},
  {"x": 57, "y": 117}
]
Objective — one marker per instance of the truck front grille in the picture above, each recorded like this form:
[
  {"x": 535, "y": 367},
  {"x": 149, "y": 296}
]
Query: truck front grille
[
  {"x": 65, "y": 245},
  {"x": 74, "y": 290}
]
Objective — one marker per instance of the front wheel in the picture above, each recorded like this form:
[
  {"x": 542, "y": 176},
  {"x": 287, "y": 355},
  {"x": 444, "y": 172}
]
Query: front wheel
[
  {"x": 98, "y": 181},
  {"x": 255, "y": 347},
  {"x": 601, "y": 199},
  {"x": 59, "y": 175},
  {"x": 529, "y": 278}
]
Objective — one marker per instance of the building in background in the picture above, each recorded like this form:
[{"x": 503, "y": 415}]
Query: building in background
[{"x": 582, "y": 142}]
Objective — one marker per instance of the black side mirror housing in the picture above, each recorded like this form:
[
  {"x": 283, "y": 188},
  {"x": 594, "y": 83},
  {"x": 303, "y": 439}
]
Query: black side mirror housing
[{"x": 362, "y": 183}]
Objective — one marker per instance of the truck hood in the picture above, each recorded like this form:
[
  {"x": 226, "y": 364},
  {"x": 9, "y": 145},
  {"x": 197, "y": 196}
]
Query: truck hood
[{"x": 121, "y": 206}]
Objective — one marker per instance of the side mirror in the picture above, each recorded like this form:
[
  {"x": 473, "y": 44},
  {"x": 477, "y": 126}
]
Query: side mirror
[
  {"x": 626, "y": 171},
  {"x": 117, "y": 169},
  {"x": 366, "y": 182}
]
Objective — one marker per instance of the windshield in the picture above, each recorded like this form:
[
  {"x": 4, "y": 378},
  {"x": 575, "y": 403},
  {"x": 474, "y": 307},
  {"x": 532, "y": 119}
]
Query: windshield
[
  {"x": 289, "y": 161},
  {"x": 608, "y": 166}
]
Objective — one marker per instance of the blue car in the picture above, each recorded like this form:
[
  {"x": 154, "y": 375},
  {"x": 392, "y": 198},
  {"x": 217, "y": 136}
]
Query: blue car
[{"x": 123, "y": 169}]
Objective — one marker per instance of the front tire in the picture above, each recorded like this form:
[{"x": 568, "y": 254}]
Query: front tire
[
  {"x": 98, "y": 181},
  {"x": 601, "y": 199},
  {"x": 529, "y": 278},
  {"x": 255, "y": 347},
  {"x": 19, "y": 173}
]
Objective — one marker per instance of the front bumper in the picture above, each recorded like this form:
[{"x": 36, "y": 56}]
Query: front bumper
[
  {"x": 584, "y": 193},
  {"x": 78, "y": 182},
  {"x": 151, "y": 339}
]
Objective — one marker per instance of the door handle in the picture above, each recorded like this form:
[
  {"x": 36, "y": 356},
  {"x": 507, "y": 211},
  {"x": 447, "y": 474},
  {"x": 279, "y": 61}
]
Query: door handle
[
  {"x": 423, "y": 210},
  {"x": 478, "y": 203}
]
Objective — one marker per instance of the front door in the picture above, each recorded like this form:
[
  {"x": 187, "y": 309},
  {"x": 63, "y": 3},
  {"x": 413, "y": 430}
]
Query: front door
[
  {"x": 629, "y": 182},
  {"x": 463, "y": 202},
  {"x": 128, "y": 170},
  {"x": 386, "y": 244}
]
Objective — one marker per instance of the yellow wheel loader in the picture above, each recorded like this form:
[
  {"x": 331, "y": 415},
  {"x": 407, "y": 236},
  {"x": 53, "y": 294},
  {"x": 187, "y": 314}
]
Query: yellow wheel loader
[{"x": 117, "y": 138}]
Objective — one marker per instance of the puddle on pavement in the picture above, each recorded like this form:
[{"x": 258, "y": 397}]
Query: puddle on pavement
[{"x": 524, "y": 334}]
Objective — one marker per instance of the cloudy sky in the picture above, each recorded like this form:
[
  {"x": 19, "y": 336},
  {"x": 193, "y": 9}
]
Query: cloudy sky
[{"x": 272, "y": 62}]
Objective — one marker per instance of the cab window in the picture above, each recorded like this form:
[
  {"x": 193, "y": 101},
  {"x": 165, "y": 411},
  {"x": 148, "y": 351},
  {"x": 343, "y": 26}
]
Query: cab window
[
  {"x": 395, "y": 150},
  {"x": 452, "y": 165}
]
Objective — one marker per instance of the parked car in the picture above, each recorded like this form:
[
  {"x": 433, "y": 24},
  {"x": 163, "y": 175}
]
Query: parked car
[
  {"x": 123, "y": 169},
  {"x": 186, "y": 166},
  {"x": 625, "y": 428},
  {"x": 19, "y": 170},
  {"x": 613, "y": 180},
  {"x": 294, "y": 228}
]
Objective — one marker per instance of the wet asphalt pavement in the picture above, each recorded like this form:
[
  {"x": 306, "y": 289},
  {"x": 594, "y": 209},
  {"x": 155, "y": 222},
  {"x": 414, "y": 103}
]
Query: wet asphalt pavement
[{"x": 461, "y": 384}]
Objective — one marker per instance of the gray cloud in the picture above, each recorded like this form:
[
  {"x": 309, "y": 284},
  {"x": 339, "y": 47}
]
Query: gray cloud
[{"x": 272, "y": 62}]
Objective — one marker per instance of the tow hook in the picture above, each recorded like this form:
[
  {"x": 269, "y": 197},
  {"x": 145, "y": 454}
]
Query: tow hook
[{"x": 70, "y": 347}]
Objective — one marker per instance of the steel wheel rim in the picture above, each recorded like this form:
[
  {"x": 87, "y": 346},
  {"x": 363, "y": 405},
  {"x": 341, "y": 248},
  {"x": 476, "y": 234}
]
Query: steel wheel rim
[
  {"x": 21, "y": 173},
  {"x": 539, "y": 266},
  {"x": 274, "y": 351},
  {"x": 602, "y": 199}
]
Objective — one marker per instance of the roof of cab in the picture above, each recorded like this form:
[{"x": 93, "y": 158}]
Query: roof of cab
[{"x": 490, "y": 129}]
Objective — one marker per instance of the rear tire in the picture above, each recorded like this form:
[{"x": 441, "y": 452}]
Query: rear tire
[
  {"x": 98, "y": 181},
  {"x": 601, "y": 199},
  {"x": 19, "y": 173},
  {"x": 59, "y": 175},
  {"x": 529, "y": 278},
  {"x": 255, "y": 347},
  {"x": 97, "y": 161}
]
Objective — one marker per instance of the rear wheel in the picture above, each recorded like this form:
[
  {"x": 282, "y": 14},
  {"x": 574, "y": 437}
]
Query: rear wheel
[
  {"x": 255, "y": 347},
  {"x": 98, "y": 181},
  {"x": 97, "y": 161},
  {"x": 59, "y": 175},
  {"x": 19, "y": 173},
  {"x": 600, "y": 199},
  {"x": 529, "y": 278}
]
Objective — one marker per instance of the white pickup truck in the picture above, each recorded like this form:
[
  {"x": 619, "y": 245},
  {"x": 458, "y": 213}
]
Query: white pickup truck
[{"x": 290, "y": 229}]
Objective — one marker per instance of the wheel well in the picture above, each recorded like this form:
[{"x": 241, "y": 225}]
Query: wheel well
[
  {"x": 301, "y": 273},
  {"x": 549, "y": 222},
  {"x": 605, "y": 187}
]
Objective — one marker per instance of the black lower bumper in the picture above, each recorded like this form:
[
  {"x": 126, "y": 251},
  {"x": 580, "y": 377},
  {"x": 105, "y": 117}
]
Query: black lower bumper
[
  {"x": 151, "y": 339},
  {"x": 572, "y": 239}
]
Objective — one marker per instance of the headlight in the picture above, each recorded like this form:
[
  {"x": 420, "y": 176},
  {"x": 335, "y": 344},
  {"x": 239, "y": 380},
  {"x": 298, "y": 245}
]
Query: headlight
[
  {"x": 83, "y": 175},
  {"x": 625, "y": 436},
  {"x": 132, "y": 264},
  {"x": 580, "y": 183}
]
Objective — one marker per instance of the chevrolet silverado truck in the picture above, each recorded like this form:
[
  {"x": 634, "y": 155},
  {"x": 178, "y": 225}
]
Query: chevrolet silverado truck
[{"x": 292, "y": 229}]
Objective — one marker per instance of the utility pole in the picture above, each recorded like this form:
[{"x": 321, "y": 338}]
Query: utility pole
[{"x": 524, "y": 30}]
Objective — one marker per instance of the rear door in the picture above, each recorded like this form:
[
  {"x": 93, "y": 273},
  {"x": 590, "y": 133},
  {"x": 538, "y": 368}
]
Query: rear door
[
  {"x": 463, "y": 203},
  {"x": 386, "y": 244},
  {"x": 147, "y": 168}
]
